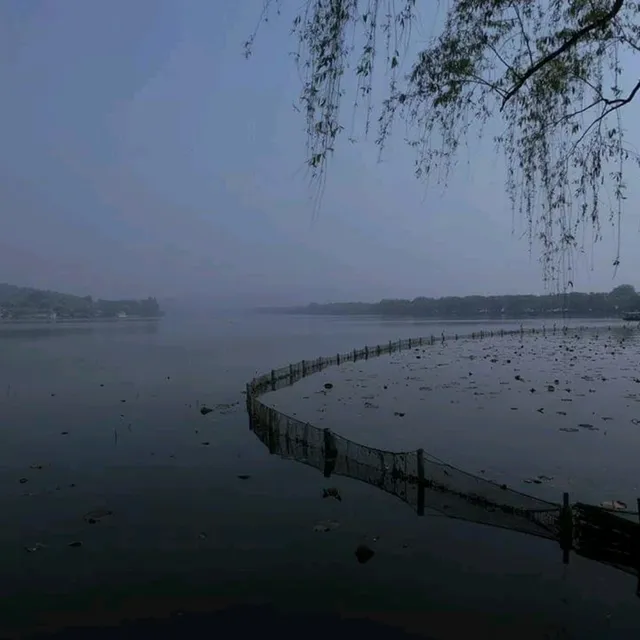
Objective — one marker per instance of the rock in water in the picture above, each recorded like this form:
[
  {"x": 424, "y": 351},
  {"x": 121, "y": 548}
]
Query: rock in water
[{"x": 364, "y": 553}]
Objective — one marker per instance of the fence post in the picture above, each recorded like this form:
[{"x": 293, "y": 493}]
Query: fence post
[
  {"x": 566, "y": 528},
  {"x": 420, "y": 506},
  {"x": 638, "y": 551},
  {"x": 390, "y": 346},
  {"x": 433, "y": 340},
  {"x": 304, "y": 368},
  {"x": 378, "y": 350},
  {"x": 338, "y": 359},
  {"x": 366, "y": 353},
  {"x": 420, "y": 341},
  {"x": 272, "y": 439},
  {"x": 273, "y": 380},
  {"x": 355, "y": 355},
  {"x": 409, "y": 343},
  {"x": 330, "y": 453}
]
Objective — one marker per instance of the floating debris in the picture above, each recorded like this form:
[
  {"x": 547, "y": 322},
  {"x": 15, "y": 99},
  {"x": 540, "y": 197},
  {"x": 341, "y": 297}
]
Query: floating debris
[
  {"x": 64, "y": 433},
  {"x": 400, "y": 414},
  {"x": 616, "y": 505},
  {"x": 92, "y": 517},
  {"x": 569, "y": 429},
  {"x": 205, "y": 444},
  {"x": 332, "y": 492},
  {"x": 23, "y": 480},
  {"x": 364, "y": 553},
  {"x": 326, "y": 525},
  {"x": 328, "y": 385},
  {"x": 244, "y": 476},
  {"x": 36, "y": 547},
  {"x": 75, "y": 543},
  {"x": 205, "y": 410}
]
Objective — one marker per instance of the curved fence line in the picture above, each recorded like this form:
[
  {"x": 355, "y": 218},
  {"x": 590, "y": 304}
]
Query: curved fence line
[{"x": 426, "y": 483}]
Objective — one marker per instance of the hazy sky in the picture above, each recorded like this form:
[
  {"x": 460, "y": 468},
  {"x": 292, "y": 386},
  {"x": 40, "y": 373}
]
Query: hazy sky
[{"x": 142, "y": 154}]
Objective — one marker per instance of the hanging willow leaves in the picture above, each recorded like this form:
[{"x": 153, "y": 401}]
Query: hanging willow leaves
[{"x": 550, "y": 70}]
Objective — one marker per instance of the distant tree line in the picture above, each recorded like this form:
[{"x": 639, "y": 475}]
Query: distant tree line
[
  {"x": 620, "y": 300},
  {"x": 20, "y": 303}
]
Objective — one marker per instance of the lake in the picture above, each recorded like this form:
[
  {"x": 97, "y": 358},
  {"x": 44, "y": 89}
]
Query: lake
[{"x": 119, "y": 497}]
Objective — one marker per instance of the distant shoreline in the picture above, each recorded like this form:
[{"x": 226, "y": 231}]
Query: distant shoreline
[
  {"x": 435, "y": 319},
  {"x": 10, "y": 321}
]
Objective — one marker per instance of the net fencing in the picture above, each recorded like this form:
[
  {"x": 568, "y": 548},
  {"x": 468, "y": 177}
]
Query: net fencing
[{"x": 431, "y": 485}]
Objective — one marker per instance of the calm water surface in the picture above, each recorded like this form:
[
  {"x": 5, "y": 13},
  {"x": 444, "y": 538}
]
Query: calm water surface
[{"x": 105, "y": 418}]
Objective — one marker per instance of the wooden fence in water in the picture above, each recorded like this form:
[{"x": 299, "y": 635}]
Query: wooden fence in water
[{"x": 425, "y": 483}]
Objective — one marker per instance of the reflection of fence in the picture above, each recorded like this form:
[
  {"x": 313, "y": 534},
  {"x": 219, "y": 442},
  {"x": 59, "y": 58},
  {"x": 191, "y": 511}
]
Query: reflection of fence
[{"x": 428, "y": 484}]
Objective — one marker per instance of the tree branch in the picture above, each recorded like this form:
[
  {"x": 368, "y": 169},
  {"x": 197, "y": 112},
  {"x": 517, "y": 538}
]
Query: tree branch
[
  {"x": 525, "y": 36},
  {"x": 572, "y": 41}
]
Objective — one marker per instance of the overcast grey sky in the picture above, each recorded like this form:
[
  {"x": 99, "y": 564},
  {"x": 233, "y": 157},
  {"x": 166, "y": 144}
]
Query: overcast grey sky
[{"x": 142, "y": 154}]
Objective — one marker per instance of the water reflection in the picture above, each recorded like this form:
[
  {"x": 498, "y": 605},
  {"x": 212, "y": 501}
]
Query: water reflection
[
  {"x": 39, "y": 331},
  {"x": 587, "y": 530},
  {"x": 433, "y": 487}
]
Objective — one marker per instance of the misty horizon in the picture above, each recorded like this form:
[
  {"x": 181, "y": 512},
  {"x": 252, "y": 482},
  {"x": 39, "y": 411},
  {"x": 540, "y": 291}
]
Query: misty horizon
[{"x": 144, "y": 156}]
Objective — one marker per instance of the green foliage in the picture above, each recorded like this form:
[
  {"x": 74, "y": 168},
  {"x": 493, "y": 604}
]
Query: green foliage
[
  {"x": 21, "y": 302},
  {"x": 549, "y": 69},
  {"x": 595, "y": 305}
]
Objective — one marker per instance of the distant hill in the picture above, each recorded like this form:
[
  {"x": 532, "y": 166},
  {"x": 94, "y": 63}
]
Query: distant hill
[
  {"x": 622, "y": 299},
  {"x": 24, "y": 303}
]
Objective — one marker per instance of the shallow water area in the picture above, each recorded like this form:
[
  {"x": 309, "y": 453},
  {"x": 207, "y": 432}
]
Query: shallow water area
[{"x": 543, "y": 413}]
